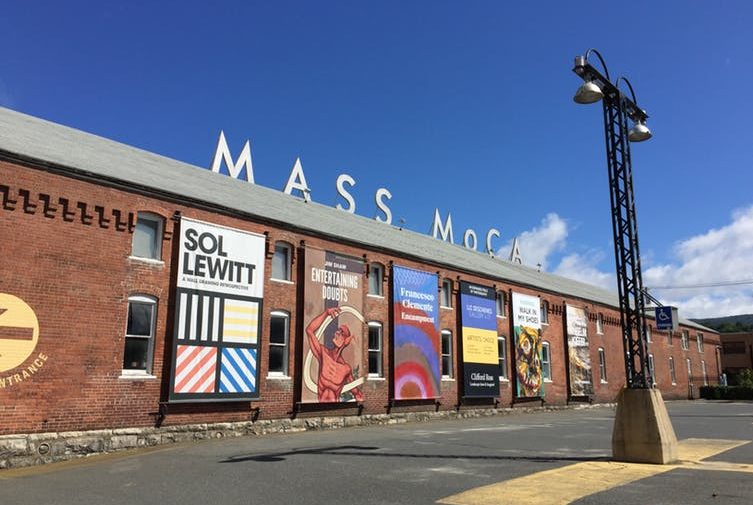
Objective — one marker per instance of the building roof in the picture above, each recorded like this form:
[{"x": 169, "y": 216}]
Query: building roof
[{"x": 26, "y": 138}]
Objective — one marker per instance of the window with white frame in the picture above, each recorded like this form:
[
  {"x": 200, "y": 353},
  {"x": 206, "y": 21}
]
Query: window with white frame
[
  {"x": 446, "y": 336},
  {"x": 651, "y": 369},
  {"x": 139, "y": 336},
  {"x": 600, "y": 323},
  {"x": 501, "y": 304},
  {"x": 649, "y": 334},
  {"x": 502, "y": 351},
  {"x": 685, "y": 337},
  {"x": 446, "y": 300},
  {"x": 699, "y": 342},
  {"x": 282, "y": 261},
  {"x": 376, "y": 274},
  {"x": 147, "y": 237},
  {"x": 669, "y": 337},
  {"x": 279, "y": 338},
  {"x": 602, "y": 365},
  {"x": 672, "y": 373},
  {"x": 375, "y": 349},
  {"x": 544, "y": 312},
  {"x": 703, "y": 372},
  {"x": 546, "y": 365},
  {"x": 690, "y": 369}
]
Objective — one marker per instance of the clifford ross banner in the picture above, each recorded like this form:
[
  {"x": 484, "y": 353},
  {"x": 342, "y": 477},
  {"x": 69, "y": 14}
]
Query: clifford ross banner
[
  {"x": 416, "y": 334},
  {"x": 578, "y": 352},
  {"x": 332, "y": 317},
  {"x": 480, "y": 351},
  {"x": 217, "y": 317},
  {"x": 526, "y": 313}
]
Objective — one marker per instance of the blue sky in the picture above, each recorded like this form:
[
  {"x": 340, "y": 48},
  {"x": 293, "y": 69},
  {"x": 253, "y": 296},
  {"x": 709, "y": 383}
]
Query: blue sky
[{"x": 464, "y": 106}]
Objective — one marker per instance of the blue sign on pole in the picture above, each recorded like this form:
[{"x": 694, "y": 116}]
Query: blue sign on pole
[{"x": 666, "y": 318}]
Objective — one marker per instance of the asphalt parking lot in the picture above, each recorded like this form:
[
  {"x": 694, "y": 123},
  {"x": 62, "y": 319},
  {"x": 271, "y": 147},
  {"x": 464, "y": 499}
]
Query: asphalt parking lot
[{"x": 543, "y": 457}]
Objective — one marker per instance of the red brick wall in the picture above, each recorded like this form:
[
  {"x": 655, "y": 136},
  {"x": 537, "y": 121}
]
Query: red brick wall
[{"x": 76, "y": 273}]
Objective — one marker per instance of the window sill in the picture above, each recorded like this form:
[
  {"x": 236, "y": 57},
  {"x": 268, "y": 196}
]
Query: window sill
[
  {"x": 378, "y": 297},
  {"x": 446, "y": 308},
  {"x": 126, "y": 375},
  {"x": 282, "y": 281},
  {"x": 603, "y": 382},
  {"x": 148, "y": 261},
  {"x": 446, "y": 378},
  {"x": 501, "y": 317},
  {"x": 548, "y": 381},
  {"x": 278, "y": 376},
  {"x": 504, "y": 380},
  {"x": 377, "y": 378}
]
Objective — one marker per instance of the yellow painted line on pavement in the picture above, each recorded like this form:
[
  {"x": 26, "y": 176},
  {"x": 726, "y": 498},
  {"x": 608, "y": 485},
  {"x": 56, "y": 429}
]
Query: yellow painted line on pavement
[{"x": 564, "y": 485}]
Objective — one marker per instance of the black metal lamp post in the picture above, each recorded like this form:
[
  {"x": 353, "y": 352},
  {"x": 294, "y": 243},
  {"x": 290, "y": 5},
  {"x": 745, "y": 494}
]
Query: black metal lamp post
[{"x": 618, "y": 108}]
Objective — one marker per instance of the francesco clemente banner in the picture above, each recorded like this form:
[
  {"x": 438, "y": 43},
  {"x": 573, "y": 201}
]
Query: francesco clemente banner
[
  {"x": 480, "y": 351},
  {"x": 526, "y": 313},
  {"x": 334, "y": 328},
  {"x": 578, "y": 352},
  {"x": 217, "y": 315},
  {"x": 416, "y": 334}
]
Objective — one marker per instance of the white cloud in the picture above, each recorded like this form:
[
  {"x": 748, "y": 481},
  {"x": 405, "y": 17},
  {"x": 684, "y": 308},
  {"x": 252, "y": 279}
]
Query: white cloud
[
  {"x": 538, "y": 244},
  {"x": 582, "y": 267}
]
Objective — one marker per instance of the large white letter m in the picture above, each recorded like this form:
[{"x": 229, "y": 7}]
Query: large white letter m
[{"x": 234, "y": 169}]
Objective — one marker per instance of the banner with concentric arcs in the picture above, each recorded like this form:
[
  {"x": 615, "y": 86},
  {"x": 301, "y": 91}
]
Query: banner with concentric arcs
[{"x": 416, "y": 334}]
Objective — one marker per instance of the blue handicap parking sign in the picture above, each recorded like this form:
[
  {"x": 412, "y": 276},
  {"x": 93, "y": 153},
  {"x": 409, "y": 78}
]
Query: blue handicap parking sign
[{"x": 666, "y": 318}]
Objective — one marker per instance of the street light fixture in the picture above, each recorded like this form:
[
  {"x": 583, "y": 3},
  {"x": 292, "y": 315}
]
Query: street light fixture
[{"x": 642, "y": 430}]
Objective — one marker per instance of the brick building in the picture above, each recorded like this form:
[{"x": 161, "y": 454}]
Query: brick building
[
  {"x": 737, "y": 352},
  {"x": 90, "y": 259}
]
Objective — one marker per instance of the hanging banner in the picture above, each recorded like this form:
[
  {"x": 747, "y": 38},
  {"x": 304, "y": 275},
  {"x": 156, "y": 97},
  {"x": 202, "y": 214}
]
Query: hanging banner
[
  {"x": 578, "y": 352},
  {"x": 526, "y": 313},
  {"x": 478, "y": 314},
  {"x": 217, "y": 313},
  {"x": 416, "y": 334},
  {"x": 334, "y": 328}
]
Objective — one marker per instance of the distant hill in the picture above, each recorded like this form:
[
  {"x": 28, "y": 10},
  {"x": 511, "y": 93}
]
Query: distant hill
[{"x": 728, "y": 324}]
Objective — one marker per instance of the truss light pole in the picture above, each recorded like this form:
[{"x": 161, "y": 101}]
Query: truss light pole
[{"x": 642, "y": 430}]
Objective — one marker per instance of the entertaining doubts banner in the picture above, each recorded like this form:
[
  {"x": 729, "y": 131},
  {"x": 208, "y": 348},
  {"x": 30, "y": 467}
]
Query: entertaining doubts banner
[
  {"x": 526, "y": 313},
  {"x": 416, "y": 334},
  {"x": 332, "y": 317},
  {"x": 217, "y": 316},
  {"x": 480, "y": 351},
  {"x": 578, "y": 352}
]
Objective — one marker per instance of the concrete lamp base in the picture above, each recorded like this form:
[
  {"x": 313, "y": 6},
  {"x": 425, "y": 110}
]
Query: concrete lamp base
[{"x": 643, "y": 432}]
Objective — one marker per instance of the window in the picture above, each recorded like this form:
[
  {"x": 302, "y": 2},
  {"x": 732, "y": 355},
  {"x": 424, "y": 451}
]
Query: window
[
  {"x": 282, "y": 261},
  {"x": 279, "y": 336},
  {"x": 147, "y": 237},
  {"x": 502, "y": 351},
  {"x": 544, "y": 312},
  {"x": 669, "y": 337},
  {"x": 699, "y": 342},
  {"x": 375, "y": 349},
  {"x": 446, "y": 353},
  {"x": 602, "y": 365},
  {"x": 139, "y": 337},
  {"x": 649, "y": 333},
  {"x": 376, "y": 274},
  {"x": 501, "y": 304},
  {"x": 684, "y": 340},
  {"x": 690, "y": 370},
  {"x": 703, "y": 371},
  {"x": 447, "y": 293},
  {"x": 546, "y": 367},
  {"x": 651, "y": 369},
  {"x": 672, "y": 373},
  {"x": 600, "y": 323}
]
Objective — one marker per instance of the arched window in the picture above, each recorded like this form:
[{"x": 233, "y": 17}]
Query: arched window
[
  {"x": 147, "y": 236},
  {"x": 672, "y": 373},
  {"x": 602, "y": 365},
  {"x": 139, "y": 336},
  {"x": 282, "y": 262}
]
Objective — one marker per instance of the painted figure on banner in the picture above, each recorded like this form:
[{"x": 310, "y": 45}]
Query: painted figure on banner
[
  {"x": 528, "y": 361},
  {"x": 334, "y": 372}
]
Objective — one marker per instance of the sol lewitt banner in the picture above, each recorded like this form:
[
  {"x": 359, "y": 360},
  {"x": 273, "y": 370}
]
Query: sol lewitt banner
[
  {"x": 480, "y": 351},
  {"x": 217, "y": 316},
  {"x": 416, "y": 334},
  {"x": 526, "y": 313},
  {"x": 334, "y": 328},
  {"x": 578, "y": 352}
]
